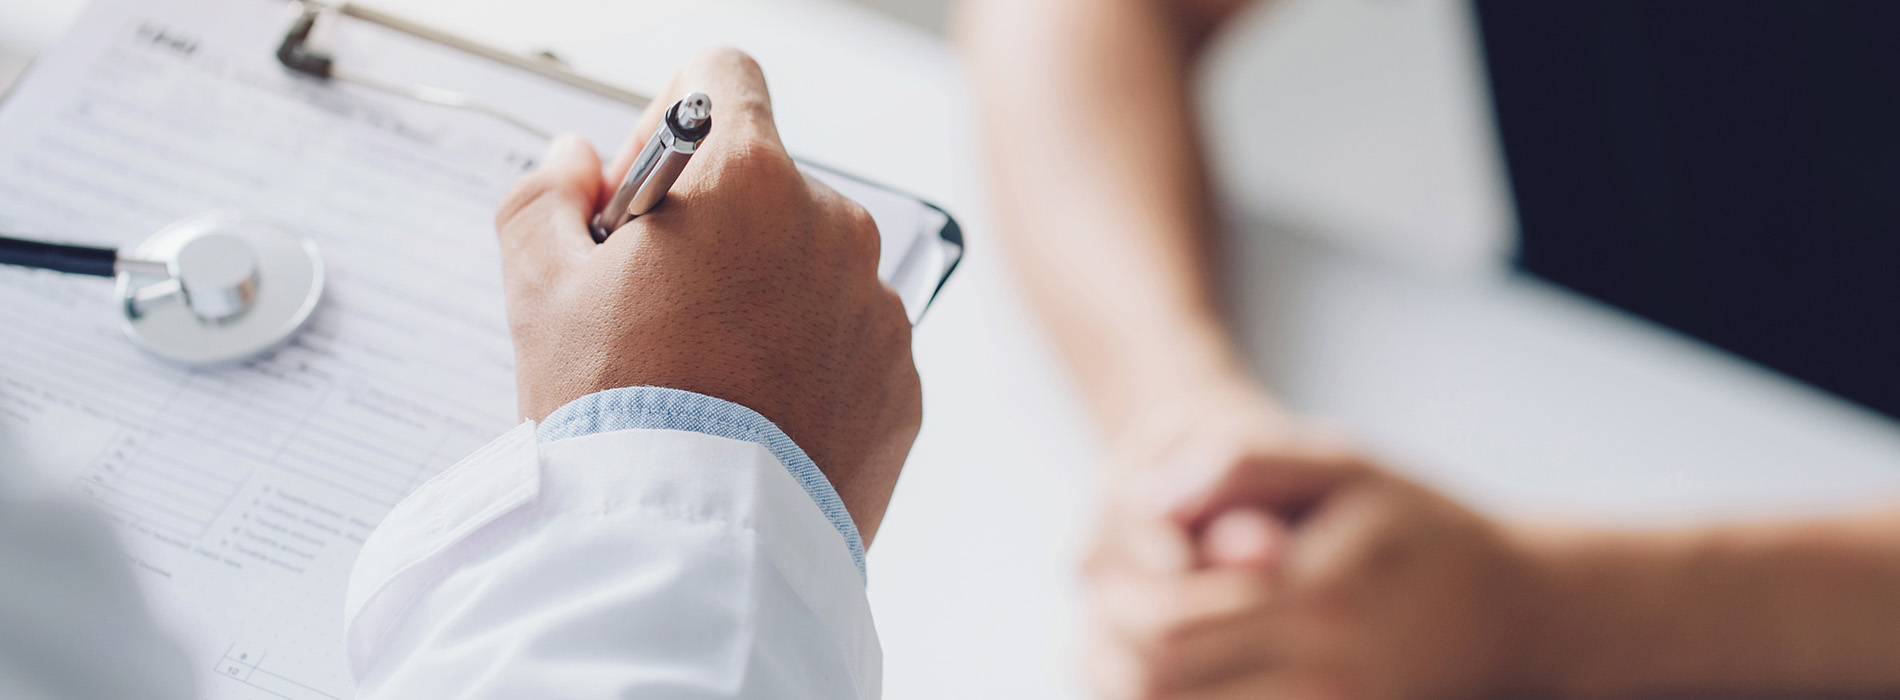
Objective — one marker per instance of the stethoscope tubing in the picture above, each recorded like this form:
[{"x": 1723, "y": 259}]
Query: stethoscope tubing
[{"x": 71, "y": 259}]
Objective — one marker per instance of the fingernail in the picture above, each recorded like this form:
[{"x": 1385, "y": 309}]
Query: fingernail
[
  {"x": 561, "y": 148},
  {"x": 1244, "y": 538}
]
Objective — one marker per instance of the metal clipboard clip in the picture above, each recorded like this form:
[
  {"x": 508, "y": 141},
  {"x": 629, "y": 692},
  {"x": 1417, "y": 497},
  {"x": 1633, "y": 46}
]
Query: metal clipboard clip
[
  {"x": 301, "y": 52},
  {"x": 918, "y": 277}
]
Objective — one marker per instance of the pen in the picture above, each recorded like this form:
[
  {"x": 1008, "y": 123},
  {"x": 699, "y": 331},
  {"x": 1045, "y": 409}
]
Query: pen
[{"x": 685, "y": 124}]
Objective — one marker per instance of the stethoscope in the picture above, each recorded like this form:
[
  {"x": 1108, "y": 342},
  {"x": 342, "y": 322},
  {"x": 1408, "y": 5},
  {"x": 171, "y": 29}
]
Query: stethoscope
[
  {"x": 208, "y": 289},
  {"x": 222, "y": 286}
]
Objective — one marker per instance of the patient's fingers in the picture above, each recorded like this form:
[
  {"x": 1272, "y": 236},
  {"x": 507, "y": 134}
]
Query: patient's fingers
[
  {"x": 1147, "y": 610},
  {"x": 1281, "y": 481},
  {"x": 1265, "y": 685},
  {"x": 1179, "y": 632},
  {"x": 1244, "y": 537},
  {"x": 1130, "y": 540}
]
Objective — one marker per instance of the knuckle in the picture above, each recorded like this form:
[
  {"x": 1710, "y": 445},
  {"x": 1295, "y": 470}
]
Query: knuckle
[
  {"x": 862, "y": 233},
  {"x": 749, "y": 99},
  {"x": 891, "y": 308},
  {"x": 730, "y": 58},
  {"x": 912, "y": 383},
  {"x": 723, "y": 64},
  {"x": 752, "y": 164},
  {"x": 893, "y": 332}
]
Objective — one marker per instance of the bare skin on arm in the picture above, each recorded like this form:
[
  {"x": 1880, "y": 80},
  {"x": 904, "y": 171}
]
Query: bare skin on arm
[
  {"x": 1100, "y": 189},
  {"x": 1246, "y": 555}
]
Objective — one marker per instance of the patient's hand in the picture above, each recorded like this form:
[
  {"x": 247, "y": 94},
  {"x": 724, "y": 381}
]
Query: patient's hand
[
  {"x": 1266, "y": 564},
  {"x": 750, "y": 283}
]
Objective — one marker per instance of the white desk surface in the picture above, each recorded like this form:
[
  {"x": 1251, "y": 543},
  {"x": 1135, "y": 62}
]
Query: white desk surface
[{"x": 1518, "y": 397}]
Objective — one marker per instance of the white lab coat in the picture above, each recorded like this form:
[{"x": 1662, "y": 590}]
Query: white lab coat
[
  {"x": 643, "y": 563},
  {"x": 634, "y": 563}
]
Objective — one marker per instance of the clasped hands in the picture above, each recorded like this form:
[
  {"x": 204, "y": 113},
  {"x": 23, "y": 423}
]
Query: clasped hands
[{"x": 1246, "y": 556}]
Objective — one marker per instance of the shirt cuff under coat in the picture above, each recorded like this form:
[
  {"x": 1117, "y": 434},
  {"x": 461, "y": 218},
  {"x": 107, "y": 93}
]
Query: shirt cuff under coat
[{"x": 659, "y": 408}]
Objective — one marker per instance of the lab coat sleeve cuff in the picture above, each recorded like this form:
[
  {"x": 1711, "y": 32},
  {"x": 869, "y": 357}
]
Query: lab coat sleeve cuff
[
  {"x": 658, "y": 408},
  {"x": 629, "y": 563}
]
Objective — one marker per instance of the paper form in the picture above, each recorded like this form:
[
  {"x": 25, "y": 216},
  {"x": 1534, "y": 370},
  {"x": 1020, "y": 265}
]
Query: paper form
[{"x": 243, "y": 493}]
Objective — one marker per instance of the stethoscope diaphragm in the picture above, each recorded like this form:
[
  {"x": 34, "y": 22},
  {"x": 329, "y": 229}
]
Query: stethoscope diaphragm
[
  {"x": 210, "y": 288},
  {"x": 231, "y": 286}
]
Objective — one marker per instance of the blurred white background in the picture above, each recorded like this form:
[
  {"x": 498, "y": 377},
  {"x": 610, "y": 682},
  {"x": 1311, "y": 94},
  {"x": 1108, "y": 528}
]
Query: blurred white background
[
  {"x": 1361, "y": 120},
  {"x": 1364, "y": 121}
]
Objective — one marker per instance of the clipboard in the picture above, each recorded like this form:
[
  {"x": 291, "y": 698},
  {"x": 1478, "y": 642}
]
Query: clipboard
[
  {"x": 243, "y": 493},
  {"x": 917, "y": 277},
  {"x": 918, "y": 273},
  {"x": 294, "y": 48}
]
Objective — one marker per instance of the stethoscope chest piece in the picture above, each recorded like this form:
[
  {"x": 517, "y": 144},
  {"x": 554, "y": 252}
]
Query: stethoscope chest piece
[{"x": 218, "y": 287}]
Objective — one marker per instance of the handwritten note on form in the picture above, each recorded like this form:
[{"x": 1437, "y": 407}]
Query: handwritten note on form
[{"x": 243, "y": 493}]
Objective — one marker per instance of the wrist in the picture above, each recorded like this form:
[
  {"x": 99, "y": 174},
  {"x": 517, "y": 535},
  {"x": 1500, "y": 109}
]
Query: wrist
[
  {"x": 1165, "y": 370},
  {"x": 1585, "y": 593},
  {"x": 1627, "y": 613},
  {"x": 1155, "y": 416},
  {"x": 1537, "y": 654}
]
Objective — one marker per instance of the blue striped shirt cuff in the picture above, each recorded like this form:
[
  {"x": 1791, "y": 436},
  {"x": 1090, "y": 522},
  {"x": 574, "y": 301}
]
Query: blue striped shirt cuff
[{"x": 657, "y": 408}]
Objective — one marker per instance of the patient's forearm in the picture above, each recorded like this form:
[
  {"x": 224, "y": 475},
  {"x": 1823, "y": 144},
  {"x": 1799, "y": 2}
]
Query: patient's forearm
[
  {"x": 1100, "y": 189},
  {"x": 1811, "y": 608}
]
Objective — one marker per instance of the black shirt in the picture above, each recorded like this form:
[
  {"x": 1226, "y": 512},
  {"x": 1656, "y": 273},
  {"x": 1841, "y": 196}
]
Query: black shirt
[{"x": 1728, "y": 168}]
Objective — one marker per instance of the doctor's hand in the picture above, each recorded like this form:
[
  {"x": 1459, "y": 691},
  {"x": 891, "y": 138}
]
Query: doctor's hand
[
  {"x": 750, "y": 283},
  {"x": 1264, "y": 564}
]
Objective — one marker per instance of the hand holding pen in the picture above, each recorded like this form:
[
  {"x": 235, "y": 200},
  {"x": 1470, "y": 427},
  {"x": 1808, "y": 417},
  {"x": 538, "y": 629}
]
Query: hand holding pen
[
  {"x": 754, "y": 283},
  {"x": 658, "y": 166}
]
